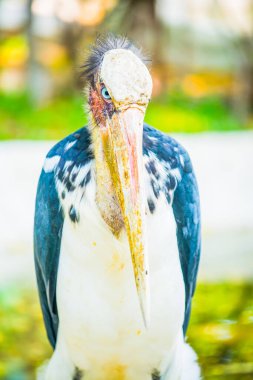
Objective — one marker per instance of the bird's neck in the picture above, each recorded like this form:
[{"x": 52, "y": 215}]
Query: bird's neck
[{"x": 106, "y": 198}]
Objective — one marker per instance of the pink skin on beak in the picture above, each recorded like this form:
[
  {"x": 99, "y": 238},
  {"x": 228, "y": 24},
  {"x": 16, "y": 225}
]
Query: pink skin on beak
[{"x": 122, "y": 141}]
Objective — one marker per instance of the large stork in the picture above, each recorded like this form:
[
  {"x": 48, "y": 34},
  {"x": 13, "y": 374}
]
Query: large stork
[{"x": 117, "y": 235}]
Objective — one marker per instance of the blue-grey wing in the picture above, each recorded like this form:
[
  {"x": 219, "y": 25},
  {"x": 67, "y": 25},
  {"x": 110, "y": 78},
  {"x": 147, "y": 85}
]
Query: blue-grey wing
[
  {"x": 47, "y": 242},
  {"x": 185, "y": 203},
  {"x": 186, "y": 208},
  {"x": 70, "y": 154}
]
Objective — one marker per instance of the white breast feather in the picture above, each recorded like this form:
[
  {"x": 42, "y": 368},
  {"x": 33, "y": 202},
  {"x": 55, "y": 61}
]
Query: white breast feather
[{"x": 100, "y": 319}]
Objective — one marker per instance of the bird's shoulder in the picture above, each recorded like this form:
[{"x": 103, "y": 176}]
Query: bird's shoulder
[
  {"x": 68, "y": 157},
  {"x": 75, "y": 147},
  {"x": 166, "y": 149},
  {"x": 167, "y": 163},
  {"x": 170, "y": 168}
]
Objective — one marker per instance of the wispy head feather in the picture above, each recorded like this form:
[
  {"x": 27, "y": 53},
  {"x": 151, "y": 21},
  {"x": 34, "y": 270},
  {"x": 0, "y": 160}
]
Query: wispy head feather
[{"x": 97, "y": 51}]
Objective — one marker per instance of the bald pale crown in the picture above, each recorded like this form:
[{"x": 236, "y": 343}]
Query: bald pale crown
[{"x": 126, "y": 78}]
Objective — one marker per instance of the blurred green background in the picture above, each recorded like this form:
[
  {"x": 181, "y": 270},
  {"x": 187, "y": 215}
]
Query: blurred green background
[{"x": 202, "y": 69}]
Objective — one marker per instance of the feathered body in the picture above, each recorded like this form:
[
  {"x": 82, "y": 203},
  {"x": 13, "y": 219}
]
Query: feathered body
[{"x": 84, "y": 267}]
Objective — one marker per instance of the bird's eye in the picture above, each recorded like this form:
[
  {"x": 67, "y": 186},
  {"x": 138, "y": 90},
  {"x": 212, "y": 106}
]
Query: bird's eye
[{"x": 105, "y": 93}]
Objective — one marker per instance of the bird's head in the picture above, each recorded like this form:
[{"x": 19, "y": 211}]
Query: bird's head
[{"x": 119, "y": 90}]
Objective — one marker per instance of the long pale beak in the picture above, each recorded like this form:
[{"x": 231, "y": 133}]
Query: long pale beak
[{"x": 123, "y": 150}]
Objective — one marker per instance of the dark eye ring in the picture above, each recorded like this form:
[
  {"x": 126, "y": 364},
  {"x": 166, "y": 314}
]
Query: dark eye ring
[{"x": 105, "y": 93}]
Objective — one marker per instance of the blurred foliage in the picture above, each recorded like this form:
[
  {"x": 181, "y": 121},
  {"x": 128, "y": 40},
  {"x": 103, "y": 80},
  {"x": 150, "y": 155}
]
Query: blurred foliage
[
  {"x": 221, "y": 332},
  {"x": 13, "y": 51},
  {"x": 20, "y": 120},
  {"x": 23, "y": 344},
  {"x": 175, "y": 112}
]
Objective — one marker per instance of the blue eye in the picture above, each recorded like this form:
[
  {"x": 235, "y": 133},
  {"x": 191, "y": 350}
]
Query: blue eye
[{"x": 105, "y": 93}]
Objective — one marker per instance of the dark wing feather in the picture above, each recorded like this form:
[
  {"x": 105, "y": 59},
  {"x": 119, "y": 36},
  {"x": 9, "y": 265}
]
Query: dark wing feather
[
  {"x": 186, "y": 206},
  {"x": 49, "y": 221},
  {"x": 186, "y": 210},
  {"x": 47, "y": 241}
]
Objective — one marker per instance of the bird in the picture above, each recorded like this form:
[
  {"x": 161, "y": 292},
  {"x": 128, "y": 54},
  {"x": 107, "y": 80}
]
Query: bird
[{"x": 117, "y": 234}]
